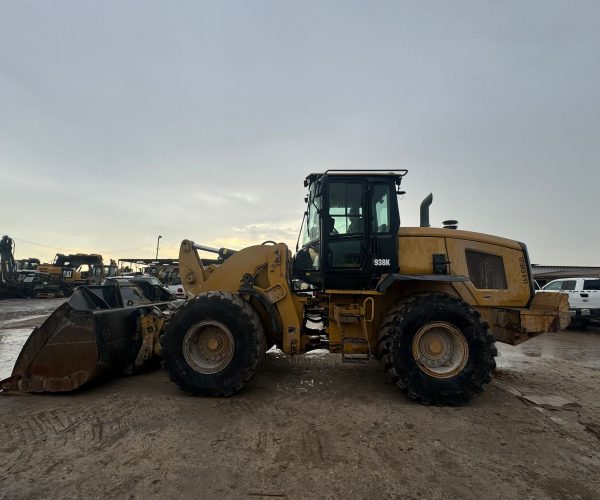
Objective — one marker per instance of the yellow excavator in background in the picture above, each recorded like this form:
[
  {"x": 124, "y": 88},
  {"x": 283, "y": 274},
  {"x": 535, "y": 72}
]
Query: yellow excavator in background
[
  {"x": 78, "y": 269},
  {"x": 428, "y": 302}
]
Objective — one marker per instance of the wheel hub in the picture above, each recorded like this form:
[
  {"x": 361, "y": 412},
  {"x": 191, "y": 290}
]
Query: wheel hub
[
  {"x": 208, "y": 346},
  {"x": 440, "y": 349}
]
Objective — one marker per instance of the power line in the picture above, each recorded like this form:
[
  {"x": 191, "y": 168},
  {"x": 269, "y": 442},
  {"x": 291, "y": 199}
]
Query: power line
[
  {"x": 125, "y": 249},
  {"x": 75, "y": 250},
  {"x": 38, "y": 244}
]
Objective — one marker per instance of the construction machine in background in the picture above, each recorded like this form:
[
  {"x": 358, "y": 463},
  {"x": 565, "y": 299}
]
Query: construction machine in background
[
  {"x": 29, "y": 264},
  {"x": 20, "y": 278},
  {"x": 78, "y": 269},
  {"x": 8, "y": 266},
  {"x": 36, "y": 285},
  {"x": 163, "y": 269},
  {"x": 428, "y": 302}
]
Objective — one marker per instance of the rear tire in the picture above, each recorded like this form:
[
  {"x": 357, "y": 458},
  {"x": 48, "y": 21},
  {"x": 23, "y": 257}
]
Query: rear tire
[
  {"x": 437, "y": 349},
  {"x": 212, "y": 344}
]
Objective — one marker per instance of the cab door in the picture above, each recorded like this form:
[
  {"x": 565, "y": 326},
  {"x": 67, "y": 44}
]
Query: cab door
[
  {"x": 384, "y": 222},
  {"x": 359, "y": 229},
  {"x": 346, "y": 258}
]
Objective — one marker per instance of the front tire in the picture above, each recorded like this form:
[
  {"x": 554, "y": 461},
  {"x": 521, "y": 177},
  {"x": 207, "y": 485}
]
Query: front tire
[
  {"x": 212, "y": 344},
  {"x": 437, "y": 349}
]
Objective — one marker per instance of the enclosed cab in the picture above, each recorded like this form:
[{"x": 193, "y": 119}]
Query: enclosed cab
[{"x": 350, "y": 228}]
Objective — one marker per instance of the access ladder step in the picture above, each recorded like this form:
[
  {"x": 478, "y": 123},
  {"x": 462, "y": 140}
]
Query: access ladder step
[
  {"x": 355, "y": 357},
  {"x": 354, "y": 340}
]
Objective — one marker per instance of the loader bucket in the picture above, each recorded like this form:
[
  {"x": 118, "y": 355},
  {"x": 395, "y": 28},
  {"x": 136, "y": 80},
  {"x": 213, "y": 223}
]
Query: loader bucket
[{"x": 88, "y": 338}]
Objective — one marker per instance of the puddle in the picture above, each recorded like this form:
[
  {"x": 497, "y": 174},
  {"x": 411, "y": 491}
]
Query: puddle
[
  {"x": 22, "y": 319},
  {"x": 583, "y": 351},
  {"x": 11, "y": 342}
]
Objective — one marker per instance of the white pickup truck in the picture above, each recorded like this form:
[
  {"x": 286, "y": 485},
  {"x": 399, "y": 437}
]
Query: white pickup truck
[{"x": 584, "y": 298}]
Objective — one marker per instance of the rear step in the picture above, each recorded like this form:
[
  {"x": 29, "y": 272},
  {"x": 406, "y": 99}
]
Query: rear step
[
  {"x": 352, "y": 357},
  {"x": 353, "y": 333}
]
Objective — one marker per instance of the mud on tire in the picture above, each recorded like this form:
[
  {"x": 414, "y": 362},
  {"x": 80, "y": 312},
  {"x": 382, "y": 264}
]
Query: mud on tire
[
  {"x": 421, "y": 313},
  {"x": 213, "y": 344}
]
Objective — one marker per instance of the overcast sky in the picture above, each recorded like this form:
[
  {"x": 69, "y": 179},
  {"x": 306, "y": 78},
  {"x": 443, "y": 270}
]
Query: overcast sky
[{"x": 123, "y": 120}]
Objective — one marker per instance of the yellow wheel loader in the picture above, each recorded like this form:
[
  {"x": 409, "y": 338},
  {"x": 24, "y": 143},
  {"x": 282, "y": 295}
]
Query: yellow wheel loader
[{"x": 428, "y": 302}]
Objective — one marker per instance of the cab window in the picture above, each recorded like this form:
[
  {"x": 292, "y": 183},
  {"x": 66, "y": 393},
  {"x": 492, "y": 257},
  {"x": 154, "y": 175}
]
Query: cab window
[
  {"x": 345, "y": 208},
  {"x": 311, "y": 231},
  {"x": 380, "y": 220}
]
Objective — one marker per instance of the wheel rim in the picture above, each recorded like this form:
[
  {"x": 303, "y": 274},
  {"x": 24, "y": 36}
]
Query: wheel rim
[
  {"x": 208, "y": 346},
  {"x": 440, "y": 349}
]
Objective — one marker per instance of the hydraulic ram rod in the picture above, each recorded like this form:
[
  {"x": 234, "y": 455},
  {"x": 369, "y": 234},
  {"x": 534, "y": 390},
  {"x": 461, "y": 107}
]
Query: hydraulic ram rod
[
  {"x": 224, "y": 253},
  {"x": 206, "y": 249}
]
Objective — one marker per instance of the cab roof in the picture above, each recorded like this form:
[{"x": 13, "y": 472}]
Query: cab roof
[{"x": 396, "y": 174}]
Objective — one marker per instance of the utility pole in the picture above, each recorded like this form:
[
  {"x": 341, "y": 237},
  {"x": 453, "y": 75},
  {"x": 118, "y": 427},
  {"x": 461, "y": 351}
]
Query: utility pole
[{"x": 157, "y": 244}]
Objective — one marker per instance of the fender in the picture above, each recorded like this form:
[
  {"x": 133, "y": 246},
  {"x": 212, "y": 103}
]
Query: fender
[
  {"x": 270, "y": 309},
  {"x": 390, "y": 279}
]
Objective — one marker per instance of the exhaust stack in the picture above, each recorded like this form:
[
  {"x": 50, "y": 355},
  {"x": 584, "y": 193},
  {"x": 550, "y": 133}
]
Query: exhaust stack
[{"x": 425, "y": 204}]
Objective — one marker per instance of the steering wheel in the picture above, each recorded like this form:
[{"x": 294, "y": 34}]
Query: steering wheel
[{"x": 270, "y": 242}]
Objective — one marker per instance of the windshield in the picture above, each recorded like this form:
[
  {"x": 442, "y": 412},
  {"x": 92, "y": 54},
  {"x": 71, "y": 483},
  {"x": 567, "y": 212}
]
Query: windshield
[{"x": 311, "y": 229}]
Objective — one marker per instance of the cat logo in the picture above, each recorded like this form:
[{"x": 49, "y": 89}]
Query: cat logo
[{"x": 382, "y": 262}]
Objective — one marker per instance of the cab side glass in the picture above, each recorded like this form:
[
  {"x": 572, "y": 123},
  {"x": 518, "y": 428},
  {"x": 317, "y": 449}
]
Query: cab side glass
[
  {"x": 311, "y": 230},
  {"x": 380, "y": 210},
  {"x": 307, "y": 258}
]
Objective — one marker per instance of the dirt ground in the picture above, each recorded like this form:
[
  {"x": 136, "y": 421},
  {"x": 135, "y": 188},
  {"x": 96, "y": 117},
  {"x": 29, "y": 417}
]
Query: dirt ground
[{"x": 309, "y": 427}]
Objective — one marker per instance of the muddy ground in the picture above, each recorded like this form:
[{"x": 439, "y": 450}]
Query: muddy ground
[{"x": 308, "y": 427}]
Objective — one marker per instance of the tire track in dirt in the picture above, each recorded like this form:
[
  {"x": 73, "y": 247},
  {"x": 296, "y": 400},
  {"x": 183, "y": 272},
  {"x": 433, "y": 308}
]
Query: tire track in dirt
[{"x": 99, "y": 427}]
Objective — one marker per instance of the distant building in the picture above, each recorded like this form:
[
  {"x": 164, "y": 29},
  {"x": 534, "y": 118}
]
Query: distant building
[{"x": 544, "y": 274}]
